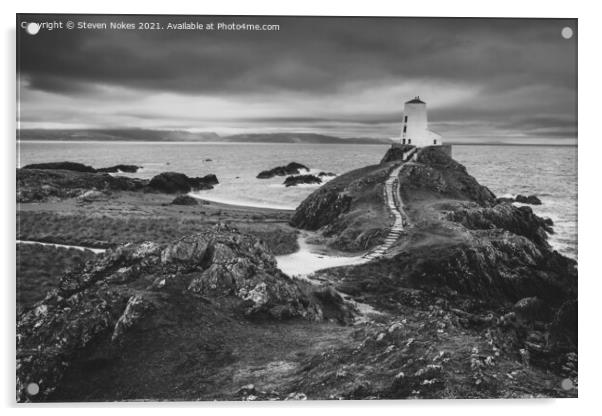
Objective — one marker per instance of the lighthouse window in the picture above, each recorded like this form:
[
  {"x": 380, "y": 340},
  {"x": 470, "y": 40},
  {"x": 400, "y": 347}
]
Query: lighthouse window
[
  {"x": 409, "y": 141},
  {"x": 435, "y": 141},
  {"x": 405, "y": 128},
  {"x": 405, "y": 119}
]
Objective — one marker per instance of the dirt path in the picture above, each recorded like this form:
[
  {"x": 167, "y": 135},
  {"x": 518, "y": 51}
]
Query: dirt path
[{"x": 81, "y": 248}]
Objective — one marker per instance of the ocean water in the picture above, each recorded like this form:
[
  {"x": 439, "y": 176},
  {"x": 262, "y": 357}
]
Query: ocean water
[{"x": 550, "y": 172}]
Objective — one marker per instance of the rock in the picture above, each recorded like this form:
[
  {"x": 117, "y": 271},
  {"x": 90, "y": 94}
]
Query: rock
[
  {"x": 322, "y": 174},
  {"x": 184, "y": 200},
  {"x": 141, "y": 286},
  {"x": 395, "y": 153},
  {"x": 425, "y": 381},
  {"x": 91, "y": 196},
  {"x": 76, "y": 167},
  {"x": 518, "y": 220},
  {"x": 205, "y": 182},
  {"x": 531, "y": 199},
  {"x": 247, "y": 390},
  {"x": 564, "y": 327},
  {"x": 504, "y": 200},
  {"x": 172, "y": 182},
  {"x": 296, "y": 396},
  {"x": 136, "y": 308},
  {"x": 435, "y": 175},
  {"x": 40, "y": 185},
  {"x": 79, "y": 167},
  {"x": 330, "y": 204},
  {"x": 120, "y": 168},
  {"x": 531, "y": 308},
  {"x": 292, "y": 168},
  {"x": 301, "y": 179}
]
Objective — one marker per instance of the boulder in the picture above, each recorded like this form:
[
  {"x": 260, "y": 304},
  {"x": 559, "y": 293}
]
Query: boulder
[
  {"x": 531, "y": 309},
  {"x": 205, "y": 182},
  {"x": 184, "y": 200},
  {"x": 301, "y": 179},
  {"x": 172, "y": 182},
  {"x": 91, "y": 196},
  {"x": 292, "y": 168},
  {"x": 531, "y": 199}
]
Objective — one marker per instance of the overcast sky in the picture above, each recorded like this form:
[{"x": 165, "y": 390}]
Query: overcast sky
[{"x": 482, "y": 79}]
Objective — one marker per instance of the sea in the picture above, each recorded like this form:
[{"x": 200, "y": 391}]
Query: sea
[{"x": 550, "y": 172}]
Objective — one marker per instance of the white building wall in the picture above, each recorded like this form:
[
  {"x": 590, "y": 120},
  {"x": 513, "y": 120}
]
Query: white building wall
[{"x": 414, "y": 128}]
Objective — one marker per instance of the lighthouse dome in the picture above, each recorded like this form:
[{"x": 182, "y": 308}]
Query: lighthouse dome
[{"x": 415, "y": 100}]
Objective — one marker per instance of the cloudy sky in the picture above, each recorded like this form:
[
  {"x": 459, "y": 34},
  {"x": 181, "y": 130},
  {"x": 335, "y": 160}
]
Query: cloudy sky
[{"x": 482, "y": 79}]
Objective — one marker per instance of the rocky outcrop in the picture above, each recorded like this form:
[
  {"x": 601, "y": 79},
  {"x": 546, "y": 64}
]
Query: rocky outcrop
[
  {"x": 531, "y": 199},
  {"x": 80, "y": 167},
  {"x": 120, "y": 168},
  {"x": 518, "y": 220},
  {"x": 34, "y": 185},
  {"x": 76, "y": 167},
  {"x": 350, "y": 209},
  {"x": 435, "y": 175},
  {"x": 185, "y": 200},
  {"x": 96, "y": 308},
  {"x": 292, "y": 168},
  {"x": 301, "y": 179},
  {"x": 396, "y": 153},
  {"x": 172, "y": 182}
]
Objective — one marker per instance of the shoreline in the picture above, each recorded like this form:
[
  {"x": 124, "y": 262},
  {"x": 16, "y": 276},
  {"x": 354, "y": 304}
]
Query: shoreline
[{"x": 229, "y": 204}]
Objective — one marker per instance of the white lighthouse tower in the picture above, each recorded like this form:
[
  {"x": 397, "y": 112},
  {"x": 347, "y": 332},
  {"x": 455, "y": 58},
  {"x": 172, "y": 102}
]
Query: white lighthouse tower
[{"x": 415, "y": 130}]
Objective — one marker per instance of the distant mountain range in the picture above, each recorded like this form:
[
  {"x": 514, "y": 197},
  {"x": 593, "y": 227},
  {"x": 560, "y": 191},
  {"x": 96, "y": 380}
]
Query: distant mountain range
[{"x": 186, "y": 136}]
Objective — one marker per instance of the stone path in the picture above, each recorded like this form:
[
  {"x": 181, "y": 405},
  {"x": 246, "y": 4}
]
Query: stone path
[{"x": 391, "y": 189}]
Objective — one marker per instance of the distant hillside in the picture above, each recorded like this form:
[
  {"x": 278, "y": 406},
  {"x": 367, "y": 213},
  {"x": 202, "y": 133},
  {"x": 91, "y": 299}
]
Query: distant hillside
[
  {"x": 301, "y": 138},
  {"x": 180, "y": 135},
  {"x": 116, "y": 135}
]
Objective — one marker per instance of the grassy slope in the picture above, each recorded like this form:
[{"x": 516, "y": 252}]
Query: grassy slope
[
  {"x": 136, "y": 217},
  {"x": 366, "y": 220}
]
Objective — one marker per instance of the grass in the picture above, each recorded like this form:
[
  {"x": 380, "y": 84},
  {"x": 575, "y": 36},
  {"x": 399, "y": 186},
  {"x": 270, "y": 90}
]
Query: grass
[
  {"x": 39, "y": 269},
  {"x": 105, "y": 231}
]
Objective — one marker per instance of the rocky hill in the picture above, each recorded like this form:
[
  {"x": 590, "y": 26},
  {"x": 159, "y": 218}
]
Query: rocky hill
[
  {"x": 136, "y": 292},
  {"x": 470, "y": 301},
  {"x": 490, "y": 261},
  {"x": 350, "y": 210}
]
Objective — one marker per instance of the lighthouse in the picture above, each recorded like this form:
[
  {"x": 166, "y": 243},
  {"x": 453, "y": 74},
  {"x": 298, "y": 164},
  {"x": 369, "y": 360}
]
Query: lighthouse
[{"x": 414, "y": 130}]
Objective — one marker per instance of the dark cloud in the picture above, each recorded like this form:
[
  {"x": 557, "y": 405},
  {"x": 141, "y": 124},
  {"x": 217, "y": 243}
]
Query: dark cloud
[{"x": 318, "y": 57}]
